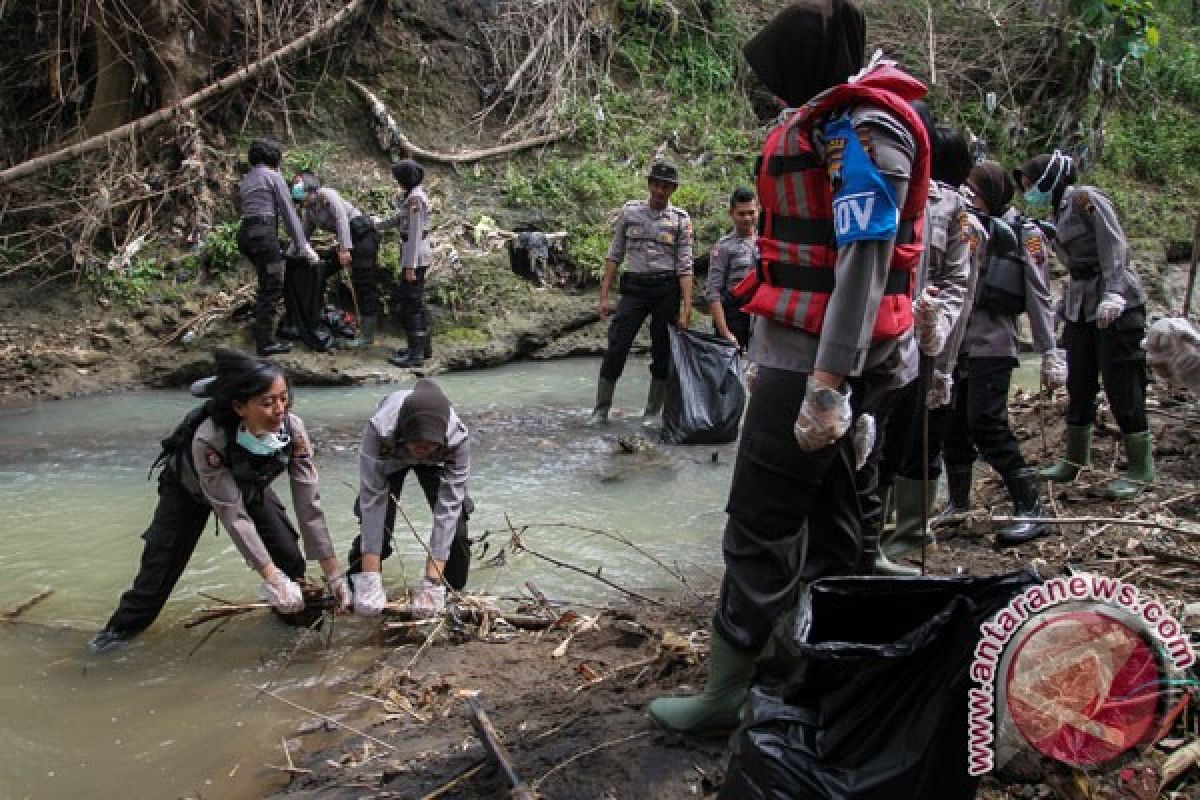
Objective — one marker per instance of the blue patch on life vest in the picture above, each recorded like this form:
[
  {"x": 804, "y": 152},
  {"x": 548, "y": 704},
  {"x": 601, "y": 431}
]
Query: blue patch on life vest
[{"x": 864, "y": 205}]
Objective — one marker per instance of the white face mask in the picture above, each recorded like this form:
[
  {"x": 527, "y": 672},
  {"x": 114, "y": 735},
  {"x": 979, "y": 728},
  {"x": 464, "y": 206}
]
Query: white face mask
[{"x": 267, "y": 444}]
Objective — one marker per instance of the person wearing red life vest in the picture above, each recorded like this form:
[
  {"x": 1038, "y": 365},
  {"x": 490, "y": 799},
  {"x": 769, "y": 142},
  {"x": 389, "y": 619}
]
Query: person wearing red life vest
[{"x": 842, "y": 183}]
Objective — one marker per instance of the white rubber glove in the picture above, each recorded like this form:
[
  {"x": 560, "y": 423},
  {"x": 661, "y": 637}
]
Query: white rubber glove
[
  {"x": 369, "y": 597},
  {"x": 430, "y": 597},
  {"x": 1111, "y": 306},
  {"x": 750, "y": 374},
  {"x": 1054, "y": 369},
  {"x": 311, "y": 255},
  {"x": 940, "y": 386},
  {"x": 864, "y": 439},
  {"x": 339, "y": 587},
  {"x": 933, "y": 327},
  {"x": 824, "y": 417},
  {"x": 1172, "y": 348},
  {"x": 283, "y": 594}
]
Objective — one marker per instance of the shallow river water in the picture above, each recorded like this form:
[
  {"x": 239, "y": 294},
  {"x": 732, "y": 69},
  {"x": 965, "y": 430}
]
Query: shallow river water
[{"x": 175, "y": 715}]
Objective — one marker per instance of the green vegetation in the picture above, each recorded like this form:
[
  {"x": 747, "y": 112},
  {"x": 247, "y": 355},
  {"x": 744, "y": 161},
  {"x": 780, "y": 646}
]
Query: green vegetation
[
  {"x": 220, "y": 247},
  {"x": 128, "y": 285}
]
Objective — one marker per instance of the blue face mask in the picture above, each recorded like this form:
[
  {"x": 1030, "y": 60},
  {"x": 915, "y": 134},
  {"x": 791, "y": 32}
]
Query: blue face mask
[
  {"x": 1036, "y": 197},
  {"x": 266, "y": 445},
  {"x": 298, "y": 192}
]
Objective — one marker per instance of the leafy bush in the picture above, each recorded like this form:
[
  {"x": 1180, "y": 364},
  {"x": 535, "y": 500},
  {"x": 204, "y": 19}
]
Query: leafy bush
[{"x": 220, "y": 247}]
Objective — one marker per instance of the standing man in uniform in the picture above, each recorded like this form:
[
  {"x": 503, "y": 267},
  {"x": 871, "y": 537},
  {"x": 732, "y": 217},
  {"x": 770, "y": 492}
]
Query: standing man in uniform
[
  {"x": 412, "y": 220},
  {"x": 731, "y": 259},
  {"x": 265, "y": 199},
  {"x": 1105, "y": 311},
  {"x": 842, "y": 183},
  {"x": 657, "y": 283},
  {"x": 325, "y": 209}
]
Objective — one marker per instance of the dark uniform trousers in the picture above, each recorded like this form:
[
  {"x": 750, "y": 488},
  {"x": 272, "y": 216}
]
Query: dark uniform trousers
[
  {"x": 365, "y": 274},
  {"x": 654, "y": 295},
  {"x": 794, "y": 515},
  {"x": 409, "y": 299},
  {"x": 978, "y": 424},
  {"x": 900, "y": 429},
  {"x": 459, "y": 562},
  {"x": 1114, "y": 354},
  {"x": 737, "y": 321},
  {"x": 258, "y": 241},
  {"x": 178, "y": 522}
]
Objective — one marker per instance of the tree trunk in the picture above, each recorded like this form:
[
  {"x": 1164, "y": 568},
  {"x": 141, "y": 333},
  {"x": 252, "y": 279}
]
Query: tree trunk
[{"x": 111, "y": 105}]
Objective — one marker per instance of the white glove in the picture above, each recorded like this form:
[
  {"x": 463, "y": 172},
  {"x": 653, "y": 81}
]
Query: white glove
[
  {"x": 284, "y": 595},
  {"x": 933, "y": 327},
  {"x": 864, "y": 439},
  {"x": 940, "y": 384},
  {"x": 292, "y": 251},
  {"x": 824, "y": 417},
  {"x": 1054, "y": 369},
  {"x": 430, "y": 597},
  {"x": 369, "y": 598},
  {"x": 1111, "y": 306},
  {"x": 1172, "y": 348},
  {"x": 311, "y": 255},
  {"x": 750, "y": 375},
  {"x": 339, "y": 587}
]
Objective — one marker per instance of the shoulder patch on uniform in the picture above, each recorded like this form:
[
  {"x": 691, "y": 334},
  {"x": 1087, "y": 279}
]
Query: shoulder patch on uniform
[
  {"x": 301, "y": 449},
  {"x": 213, "y": 458},
  {"x": 1033, "y": 246},
  {"x": 964, "y": 224}
]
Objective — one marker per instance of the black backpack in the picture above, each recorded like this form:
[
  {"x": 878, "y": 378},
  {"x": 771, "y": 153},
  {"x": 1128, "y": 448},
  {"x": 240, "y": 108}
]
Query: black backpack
[{"x": 1001, "y": 288}]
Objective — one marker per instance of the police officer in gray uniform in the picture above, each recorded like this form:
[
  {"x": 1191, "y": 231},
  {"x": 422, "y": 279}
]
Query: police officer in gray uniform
[
  {"x": 979, "y": 409},
  {"x": 657, "y": 283},
  {"x": 412, "y": 220},
  {"x": 1104, "y": 308},
  {"x": 265, "y": 199},
  {"x": 325, "y": 209},
  {"x": 732, "y": 257}
]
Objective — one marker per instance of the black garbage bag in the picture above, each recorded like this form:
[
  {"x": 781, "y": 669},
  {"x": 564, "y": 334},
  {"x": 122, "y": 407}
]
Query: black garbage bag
[
  {"x": 705, "y": 392},
  {"x": 861, "y": 694},
  {"x": 304, "y": 303}
]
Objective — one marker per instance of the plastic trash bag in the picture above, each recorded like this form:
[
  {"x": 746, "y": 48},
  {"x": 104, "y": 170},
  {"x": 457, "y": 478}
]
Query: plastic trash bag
[
  {"x": 861, "y": 694},
  {"x": 304, "y": 302},
  {"x": 705, "y": 393}
]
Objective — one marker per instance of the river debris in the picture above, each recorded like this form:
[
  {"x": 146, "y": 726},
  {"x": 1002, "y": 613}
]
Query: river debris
[{"x": 8, "y": 616}]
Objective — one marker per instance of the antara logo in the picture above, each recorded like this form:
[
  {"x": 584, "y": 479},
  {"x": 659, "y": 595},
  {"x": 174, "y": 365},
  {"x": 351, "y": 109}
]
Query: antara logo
[{"x": 852, "y": 212}]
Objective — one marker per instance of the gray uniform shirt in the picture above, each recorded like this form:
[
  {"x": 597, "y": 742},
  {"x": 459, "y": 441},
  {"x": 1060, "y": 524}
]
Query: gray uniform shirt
[
  {"x": 264, "y": 193},
  {"x": 381, "y": 455},
  {"x": 946, "y": 266},
  {"x": 991, "y": 335},
  {"x": 329, "y": 211},
  {"x": 654, "y": 241},
  {"x": 222, "y": 493},
  {"x": 844, "y": 346},
  {"x": 731, "y": 258},
  {"x": 1091, "y": 242},
  {"x": 412, "y": 219}
]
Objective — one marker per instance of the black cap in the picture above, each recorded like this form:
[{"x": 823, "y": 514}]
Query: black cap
[
  {"x": 664, "y": 171},
  {"x": 203, "y": 387}
]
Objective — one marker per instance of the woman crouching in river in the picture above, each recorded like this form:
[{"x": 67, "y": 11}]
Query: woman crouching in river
[{"x": 222, "y": 458}]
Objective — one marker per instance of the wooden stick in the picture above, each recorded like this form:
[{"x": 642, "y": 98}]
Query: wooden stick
[
  {"x": 327, "y": 718},
  {"x": 589, "y": 751},
  {"x": 462, "y": 776},
  {"x": 191, "y": 101},
  {"x": 1191, "y": 284},
  {"x": 28, "y": 604},
  {"x": 495, "y": 748}
]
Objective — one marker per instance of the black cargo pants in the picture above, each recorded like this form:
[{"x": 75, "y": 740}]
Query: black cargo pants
[
  {"x": 458, "y": 564},
  {"x": 978, "y": 423},
  {"x": 365, "y": 274},
  {"x": 655, "y": 295},
  {"x": 1115, "y": 354},
  {"x": 258, "y": 241},
  {"x": 408, "y": 297},
  {"x": 174, "y": 531},
  {"x": 794, "y": 515}
]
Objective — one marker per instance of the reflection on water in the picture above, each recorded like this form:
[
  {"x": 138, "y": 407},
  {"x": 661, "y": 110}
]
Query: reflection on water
[{"x": 157, "y": 721}]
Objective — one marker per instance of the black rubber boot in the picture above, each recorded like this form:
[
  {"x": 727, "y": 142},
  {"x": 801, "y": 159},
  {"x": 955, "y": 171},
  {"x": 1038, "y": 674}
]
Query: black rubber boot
[
  {"x": 604, "y": 398},
  {"x": 958, "y": 490},
  {"x": 108, "y": 640},
  {"x": 415, "y": 356},
  {"x": 1022, "y": 488}
]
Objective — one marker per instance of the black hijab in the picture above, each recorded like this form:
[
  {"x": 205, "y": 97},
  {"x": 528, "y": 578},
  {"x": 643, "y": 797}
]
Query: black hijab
[
  {"x": 408, "y": 174},
  {"x": 807, "y": 48}
]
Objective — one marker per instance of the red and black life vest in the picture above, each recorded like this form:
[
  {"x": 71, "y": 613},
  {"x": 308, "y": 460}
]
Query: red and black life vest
[{"x": 794, "y": 278}]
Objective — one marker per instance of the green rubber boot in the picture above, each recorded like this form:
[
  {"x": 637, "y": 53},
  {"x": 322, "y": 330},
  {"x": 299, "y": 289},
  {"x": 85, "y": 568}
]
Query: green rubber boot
[
  {"x": 1079, "y": 454},
  {"x": 1139, "y": 451},
  {"x": 716, "y": 708},
  {"x": 604, "y": 397},
  {"x": 908, "y": 535},
  {"x": 655, "y": 398}
]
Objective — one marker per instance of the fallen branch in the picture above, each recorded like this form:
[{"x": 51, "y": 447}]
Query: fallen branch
[
  {"x": 496, "y": 750},
  {"x": 327, "y": 718},
  {"x": 589, "y": 751},
  {"x": 191, "y": 101},
  {"x": 28, "y": 604},
  {"x": 390, "y": 136}
]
